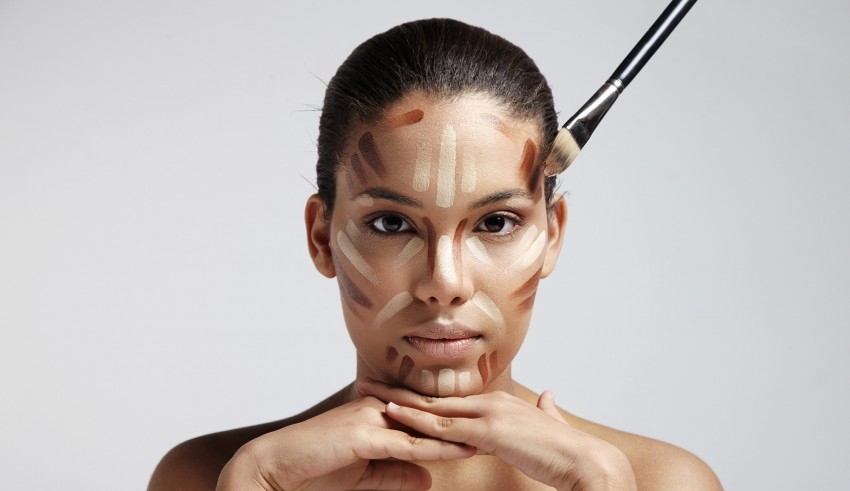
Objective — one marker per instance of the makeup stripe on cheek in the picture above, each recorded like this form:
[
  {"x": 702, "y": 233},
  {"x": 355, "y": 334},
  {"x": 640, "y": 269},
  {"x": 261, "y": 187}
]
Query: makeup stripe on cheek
[
  {"x": 392, "y": 354},
  {"x": 482, "y": 367},
  {"x": 445, "y": 259},
  {"x": 393, "y": 307},
  {"x": 422, "y": 167},
  {"x": 405, "y": 368},
  {"x": 446, "y": 382},
  {"x": 351, "y": 229},
  {"x": 486, "y": 304},
  {"x": 370, "y": 153},
  {"x": 527, "y": 292},
  {"x": 357, "y": 166},
  {"x": 428, "y": 382},
  {"x": 413, "y": 246},
  {"x": 531, "y": 254},
  {"x": 494, "y": 361},
  {"x": 476, "y": 247},
  {"x": 469, "y": 175},
  {"x": 446, "y": 168},
  {"x": 354, "y": 257},
  {"x": 351, "y": 290}
]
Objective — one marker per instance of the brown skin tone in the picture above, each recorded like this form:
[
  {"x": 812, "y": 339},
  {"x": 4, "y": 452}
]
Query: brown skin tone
[{"x": 442, "y": 281}]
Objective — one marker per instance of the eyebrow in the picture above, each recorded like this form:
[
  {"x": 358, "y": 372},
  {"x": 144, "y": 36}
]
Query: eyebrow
[
  {"x": 501, "y": 196},
  {"x": 389, "y": 194}
]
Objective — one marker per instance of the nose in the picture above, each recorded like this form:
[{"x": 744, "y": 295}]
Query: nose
[{"x": 444, "y": 282}]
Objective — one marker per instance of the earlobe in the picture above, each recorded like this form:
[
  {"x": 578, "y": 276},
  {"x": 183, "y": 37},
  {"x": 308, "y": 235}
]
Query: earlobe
[
  {"x": 318, "y": 236},
  {"x": 557, "y": 222}
]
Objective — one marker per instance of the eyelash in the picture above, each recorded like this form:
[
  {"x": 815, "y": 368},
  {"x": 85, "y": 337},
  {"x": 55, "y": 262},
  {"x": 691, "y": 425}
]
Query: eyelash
[{"x": 516, "y": 219}]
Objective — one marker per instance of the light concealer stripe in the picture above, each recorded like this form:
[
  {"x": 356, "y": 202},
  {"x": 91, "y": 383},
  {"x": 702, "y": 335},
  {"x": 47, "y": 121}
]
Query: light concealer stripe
[
  {"x": 477, "y": 248},
  {"x": 422, "y": 167},
  {"x": 530, "y": 256},
  {"x": 446, "y": 167},
  {"x": 446, "y": 382},
  {"x": 393, "y": 307},
  {"x": 486, "y": 304},
  {"x": 444, "y": 259},
  {"x": 351, "y": 230},
  {"x": 413, "y": 246},
  {"x": 354, "y": 257}
]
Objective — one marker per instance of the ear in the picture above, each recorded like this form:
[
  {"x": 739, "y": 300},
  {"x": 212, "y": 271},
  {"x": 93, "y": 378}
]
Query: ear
[
  {"x": 319, "y": 236},
  {"x": 557, "y": 222}
]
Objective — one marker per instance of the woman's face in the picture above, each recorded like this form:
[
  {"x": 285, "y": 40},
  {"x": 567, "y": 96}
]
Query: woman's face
[{"x": 438, "y": 237}]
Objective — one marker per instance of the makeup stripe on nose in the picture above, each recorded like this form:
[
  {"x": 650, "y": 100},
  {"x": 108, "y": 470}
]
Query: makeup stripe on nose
[{"x": 445, "y": 261}]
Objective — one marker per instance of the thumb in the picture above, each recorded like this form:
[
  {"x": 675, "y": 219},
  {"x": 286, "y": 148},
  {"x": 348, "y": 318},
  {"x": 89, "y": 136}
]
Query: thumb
[
  {"x": 394, "y": 475},
  {"x": 546, "y": 403}
]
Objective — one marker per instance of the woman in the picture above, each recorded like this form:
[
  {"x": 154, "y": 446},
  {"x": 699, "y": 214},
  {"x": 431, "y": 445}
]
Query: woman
[{"x": 436, "y": 217}]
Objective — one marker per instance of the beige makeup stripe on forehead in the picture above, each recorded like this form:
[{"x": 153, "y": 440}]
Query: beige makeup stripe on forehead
[{"x": 446, "y": 167}]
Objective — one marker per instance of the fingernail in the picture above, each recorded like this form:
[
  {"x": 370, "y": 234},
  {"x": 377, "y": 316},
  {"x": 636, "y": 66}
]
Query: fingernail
[{"x": 392, "y": 405}]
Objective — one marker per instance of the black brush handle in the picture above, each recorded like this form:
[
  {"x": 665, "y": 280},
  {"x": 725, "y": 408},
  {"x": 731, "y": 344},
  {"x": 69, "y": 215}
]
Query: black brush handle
[{"x": 649, "y": 43}]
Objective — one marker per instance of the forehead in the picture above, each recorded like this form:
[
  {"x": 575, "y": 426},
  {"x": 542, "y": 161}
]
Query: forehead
[{"x": 471, "y": 132}]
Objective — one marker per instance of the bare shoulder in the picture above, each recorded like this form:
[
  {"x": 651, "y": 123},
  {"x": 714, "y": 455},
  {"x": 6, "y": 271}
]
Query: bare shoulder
[
  {"x": 195, "y": 464},
  {"x": 657, "y": 465}
]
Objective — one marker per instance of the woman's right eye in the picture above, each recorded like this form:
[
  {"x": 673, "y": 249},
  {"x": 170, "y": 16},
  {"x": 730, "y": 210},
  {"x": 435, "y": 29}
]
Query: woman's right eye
[{"x": 390, "y": 224}]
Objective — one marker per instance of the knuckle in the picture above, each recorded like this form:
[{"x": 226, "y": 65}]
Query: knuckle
[{"x": 444, "y": 423}]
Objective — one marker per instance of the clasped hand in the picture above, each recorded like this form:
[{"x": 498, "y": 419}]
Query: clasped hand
[{"x": 371, "y": 443}]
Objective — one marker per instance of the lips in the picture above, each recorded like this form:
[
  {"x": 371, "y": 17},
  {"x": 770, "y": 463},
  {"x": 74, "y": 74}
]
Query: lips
[{"x": 444, "y": 341}]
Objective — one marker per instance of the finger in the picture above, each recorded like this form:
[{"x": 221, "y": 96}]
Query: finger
[
  {"x": 546, "y": 403},
  {"x": 445, "y": 406},
  {"x": 404, "y": 446},
  {"x": 386, "y": 474},
  {"x": 445, "y": 428}
]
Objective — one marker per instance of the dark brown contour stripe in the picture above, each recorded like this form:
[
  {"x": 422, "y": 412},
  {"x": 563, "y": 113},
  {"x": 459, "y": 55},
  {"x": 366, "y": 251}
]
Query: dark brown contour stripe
[{"x": 370, "y": 153}]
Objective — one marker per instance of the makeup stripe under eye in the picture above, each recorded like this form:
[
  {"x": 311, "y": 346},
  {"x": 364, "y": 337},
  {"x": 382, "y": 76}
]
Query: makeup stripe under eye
[
  {"x": 413, "y": 246},
  {"x": 354, "y": 257},
  {"x": 531, "y": 254}
]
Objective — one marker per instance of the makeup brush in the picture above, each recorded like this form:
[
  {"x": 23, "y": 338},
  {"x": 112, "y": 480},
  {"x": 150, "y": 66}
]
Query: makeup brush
[{"x": 577, "y": 130}]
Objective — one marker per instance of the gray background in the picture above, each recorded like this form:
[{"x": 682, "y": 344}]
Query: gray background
[{"x": 154, "y": 281}]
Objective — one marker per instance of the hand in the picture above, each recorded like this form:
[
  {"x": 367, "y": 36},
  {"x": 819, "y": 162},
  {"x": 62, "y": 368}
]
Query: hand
[
  {"x": 341, "y": 449},
  {"x": 535, "y": 440}
]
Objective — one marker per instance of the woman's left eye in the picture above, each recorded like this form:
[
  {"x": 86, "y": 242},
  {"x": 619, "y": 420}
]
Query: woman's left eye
[
  {"x": 497, "y": 224},
  {"x": 390, "y": 224}
]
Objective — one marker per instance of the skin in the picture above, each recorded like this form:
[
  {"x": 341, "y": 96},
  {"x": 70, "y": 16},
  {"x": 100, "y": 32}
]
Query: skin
[{"x": 439, "y": 230}]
